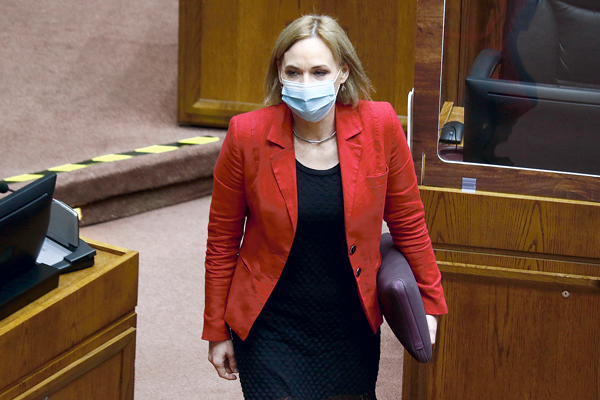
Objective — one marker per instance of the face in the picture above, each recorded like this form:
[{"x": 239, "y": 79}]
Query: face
[{"x": 310, "y": 60}]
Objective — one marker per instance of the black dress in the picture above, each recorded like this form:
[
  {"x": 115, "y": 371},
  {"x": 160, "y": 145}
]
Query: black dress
[{"x": 312, "y": 340}]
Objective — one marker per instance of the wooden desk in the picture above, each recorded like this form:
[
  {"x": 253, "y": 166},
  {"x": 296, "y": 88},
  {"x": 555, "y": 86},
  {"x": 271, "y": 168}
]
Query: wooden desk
[
  {"x": 77, "y": 341},
  {"x": 521, "y": 277}
]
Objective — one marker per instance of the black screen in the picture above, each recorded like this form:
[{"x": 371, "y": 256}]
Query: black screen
[
  {"x": 24, "y": 217},
  {"x": 532, "y": 125}
]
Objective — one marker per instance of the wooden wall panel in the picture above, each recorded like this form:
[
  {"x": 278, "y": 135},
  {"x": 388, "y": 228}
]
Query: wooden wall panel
[
  {"x": 428, "y": 59},
  {"x": 505, "y": 341},
  {"x": 521, "y": 276},
  {"x": 225, "y": 46},
  {"x": 516, "y": 225},
  {"x": 516, "y": 261},
  {"x": 451, "y": 51},
  {"x": 97, "y": 383}
]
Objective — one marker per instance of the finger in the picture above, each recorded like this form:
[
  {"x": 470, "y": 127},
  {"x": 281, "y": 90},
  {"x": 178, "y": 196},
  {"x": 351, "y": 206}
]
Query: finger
[
  {"x": 228, "y": 367},
  {"x": 228, "y": 371},
  {"x": 232, "y": 363},
  {"x": 222, "y": 357},
  {"x": 223, "y": 372}
]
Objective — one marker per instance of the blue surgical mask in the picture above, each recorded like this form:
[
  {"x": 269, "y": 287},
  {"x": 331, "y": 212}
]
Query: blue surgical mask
[{"x": 310, "y": 101}]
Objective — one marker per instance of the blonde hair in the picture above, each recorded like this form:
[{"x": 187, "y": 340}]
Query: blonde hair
[{"x": 358, "y": 86}]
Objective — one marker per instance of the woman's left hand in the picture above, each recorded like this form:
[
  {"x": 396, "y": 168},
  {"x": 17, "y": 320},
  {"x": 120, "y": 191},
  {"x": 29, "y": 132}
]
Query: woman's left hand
[{"x": 432, "y": 324}]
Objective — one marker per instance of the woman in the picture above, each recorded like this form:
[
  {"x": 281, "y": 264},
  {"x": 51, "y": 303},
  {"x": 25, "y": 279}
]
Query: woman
[{"x": 306, "y": 183}]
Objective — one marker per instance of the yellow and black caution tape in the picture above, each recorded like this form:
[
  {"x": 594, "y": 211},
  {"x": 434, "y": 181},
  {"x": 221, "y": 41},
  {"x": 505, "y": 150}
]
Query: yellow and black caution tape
[{"x": 115, "y": 157}]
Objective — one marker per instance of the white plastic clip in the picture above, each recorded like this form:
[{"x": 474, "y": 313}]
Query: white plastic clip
[{"x": 469, "y": 185}]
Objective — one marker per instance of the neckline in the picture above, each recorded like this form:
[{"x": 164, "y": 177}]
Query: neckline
[{"x": 313, "y": 171}]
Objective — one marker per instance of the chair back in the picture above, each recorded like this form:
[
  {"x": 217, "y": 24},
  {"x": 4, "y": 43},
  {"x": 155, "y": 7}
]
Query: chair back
[{"x": 553, "y": 42}]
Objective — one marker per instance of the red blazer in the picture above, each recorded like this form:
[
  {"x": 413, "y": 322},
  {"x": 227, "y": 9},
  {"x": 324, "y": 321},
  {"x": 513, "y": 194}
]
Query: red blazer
[{"x": 255, "y": 185}]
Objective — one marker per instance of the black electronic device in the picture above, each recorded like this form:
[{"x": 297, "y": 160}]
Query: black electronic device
[
  {"x": 531, "y": 125},
  {"x": 24, "y": 218},
  {"x": 63, "y": 248},
  {"x": 452, "y": 132},
  {"x": 4, "y": 187}
]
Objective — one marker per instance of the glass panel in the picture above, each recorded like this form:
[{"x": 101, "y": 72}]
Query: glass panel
[{"x": 521, "y": 84}]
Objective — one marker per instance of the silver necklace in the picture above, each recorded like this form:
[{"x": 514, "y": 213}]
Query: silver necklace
[{"x": 314, "y": 141}]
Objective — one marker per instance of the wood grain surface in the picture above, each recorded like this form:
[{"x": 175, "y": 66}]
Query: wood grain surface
[
  {"x": 521, "y": 276},
  {"x": 517, "y": 225},
  {"x": 72, "y": 330},
  {"x": 504, "y": 341},
  {"x": 225, "y": 48}
]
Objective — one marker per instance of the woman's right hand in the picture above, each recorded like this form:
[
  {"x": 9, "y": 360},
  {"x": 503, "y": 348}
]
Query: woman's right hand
[{"x": 222, "y": 357}]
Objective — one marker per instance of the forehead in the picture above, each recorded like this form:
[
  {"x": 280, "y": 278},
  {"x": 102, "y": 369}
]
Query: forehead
[{"x": 308, "y": 52}]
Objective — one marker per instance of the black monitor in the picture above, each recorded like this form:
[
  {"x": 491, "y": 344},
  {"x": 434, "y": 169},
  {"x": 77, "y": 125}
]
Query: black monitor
[
  {"x": 24, "y": 218},
  {"x": 532, "y": 125}
]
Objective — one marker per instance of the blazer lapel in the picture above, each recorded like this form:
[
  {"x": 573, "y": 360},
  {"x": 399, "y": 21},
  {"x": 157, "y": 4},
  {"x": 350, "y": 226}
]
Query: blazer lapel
[
  {"x": 348, "y": 127},
  {"x": 283, "y": 163},
  {"x": 283, "y": 160}
]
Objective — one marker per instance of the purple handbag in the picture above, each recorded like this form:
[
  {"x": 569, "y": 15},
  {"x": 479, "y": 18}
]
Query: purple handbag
[{"x": 400, "y": 301}]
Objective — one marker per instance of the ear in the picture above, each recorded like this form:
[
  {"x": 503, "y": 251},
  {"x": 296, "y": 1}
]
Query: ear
[{"x": 345, "y": 73}]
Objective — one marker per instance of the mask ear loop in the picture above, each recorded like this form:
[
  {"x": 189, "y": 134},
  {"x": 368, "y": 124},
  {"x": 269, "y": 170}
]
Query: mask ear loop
[
  {"x": 340, "y": 86},
  {"x": 338, "y": 75},
  {"x": 343, "y": 84}
]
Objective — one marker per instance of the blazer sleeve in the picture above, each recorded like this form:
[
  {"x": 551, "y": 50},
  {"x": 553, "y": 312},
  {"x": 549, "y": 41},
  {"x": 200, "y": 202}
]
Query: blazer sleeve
[
  {"x": 225, "y": 229},
  {"x": 405, "y": 217}
]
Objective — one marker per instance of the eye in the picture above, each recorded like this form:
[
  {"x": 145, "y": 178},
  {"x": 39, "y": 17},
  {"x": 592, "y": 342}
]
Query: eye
[
  {"x": 291, "y": 73},
  {"x": 321, "y": 73}
]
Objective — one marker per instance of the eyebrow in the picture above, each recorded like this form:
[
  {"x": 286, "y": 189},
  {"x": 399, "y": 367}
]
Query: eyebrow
[{"x": 314, "y": 67}]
